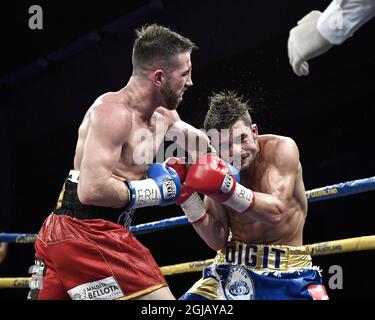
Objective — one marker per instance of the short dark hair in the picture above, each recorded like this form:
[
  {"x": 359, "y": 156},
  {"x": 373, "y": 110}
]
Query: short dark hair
[
  {"x": 226, "y": 108},
  {"x": 157, "y": 44}
]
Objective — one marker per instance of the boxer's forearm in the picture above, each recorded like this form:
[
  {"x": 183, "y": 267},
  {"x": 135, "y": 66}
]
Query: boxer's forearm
[
  {"x": 189, "y": 138},
  {"x": 212, "y": 232},
  {"x": 3, "y": 251},
  {"x": 266, "y": 208},
  {"x": 110, "y": 192},
  {"x": 203, "y": 216}
]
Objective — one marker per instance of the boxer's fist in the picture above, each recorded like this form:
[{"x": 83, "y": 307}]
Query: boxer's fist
[
  {"x": 305, "y": 42},
  {"x": 163, "y": 187},
  {"x": 168, "y": 181},
  {"x": 213, "y": 177}
]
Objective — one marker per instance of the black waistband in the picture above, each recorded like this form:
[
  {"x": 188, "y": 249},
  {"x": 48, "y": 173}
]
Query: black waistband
[{"x": 69, "y": 204}]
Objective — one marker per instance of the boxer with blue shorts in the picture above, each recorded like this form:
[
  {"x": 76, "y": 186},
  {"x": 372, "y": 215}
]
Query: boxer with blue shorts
[{"x": 256, "y": 221}]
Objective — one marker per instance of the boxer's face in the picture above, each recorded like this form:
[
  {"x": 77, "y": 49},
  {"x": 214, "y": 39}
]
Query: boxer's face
[
  {"x": 177, "y": 81},
  {"x": 240, "y": 141}
]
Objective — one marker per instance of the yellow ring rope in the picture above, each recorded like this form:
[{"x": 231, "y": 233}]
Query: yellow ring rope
[
  {"x": 14, "y": 283},
  {"x": 315, "y": 249}
]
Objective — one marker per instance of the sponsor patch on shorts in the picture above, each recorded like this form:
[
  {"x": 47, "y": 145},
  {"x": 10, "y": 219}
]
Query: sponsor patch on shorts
[
  {"x": 239, "y": 285},
  {"x": 104, "y": 289},
  {"x": 38, "y": 271}
]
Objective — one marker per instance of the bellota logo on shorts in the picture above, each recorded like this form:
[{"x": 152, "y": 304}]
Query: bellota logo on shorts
[
  {"x": 38, "y": 271},
  {"x": 239, "y": 285},
  {"x": 169, "y": 189},
  {"x": 105, "y": 289}
]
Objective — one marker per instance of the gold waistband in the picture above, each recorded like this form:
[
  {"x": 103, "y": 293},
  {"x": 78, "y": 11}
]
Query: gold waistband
[{"x": 264, "y": 257}]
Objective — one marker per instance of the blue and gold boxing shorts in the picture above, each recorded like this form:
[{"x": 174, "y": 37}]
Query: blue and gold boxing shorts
[{"x": 259, "y": 272}]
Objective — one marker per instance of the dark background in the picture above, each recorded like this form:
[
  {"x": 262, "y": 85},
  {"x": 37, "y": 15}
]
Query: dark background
[{"x": 243, "y": 47}]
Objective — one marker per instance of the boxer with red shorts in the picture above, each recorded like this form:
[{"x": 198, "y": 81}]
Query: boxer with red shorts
[
  {"x": 87, "y": 252},
  {"x": 84, "y": 249}
]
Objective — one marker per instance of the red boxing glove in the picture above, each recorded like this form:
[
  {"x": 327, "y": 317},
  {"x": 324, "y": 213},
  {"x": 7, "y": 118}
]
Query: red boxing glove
[
  {"x": 179, "y": 165},
  {"x": 211, "y": 176}
]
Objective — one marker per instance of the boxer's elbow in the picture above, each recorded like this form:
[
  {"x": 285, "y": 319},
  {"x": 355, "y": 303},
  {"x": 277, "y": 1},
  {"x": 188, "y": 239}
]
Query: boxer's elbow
[
  {"x": 216, "y": 239},
  {"x": 274, "y": 219},
  {"x": 217, "y": 245},
  {"x": 86, "y": 198},
  {"x": 3, "y": 251},
  {"x": 88, "y": 194},
  {"x": 219, "y": 241},
  {"x": 276, "y": 214}
]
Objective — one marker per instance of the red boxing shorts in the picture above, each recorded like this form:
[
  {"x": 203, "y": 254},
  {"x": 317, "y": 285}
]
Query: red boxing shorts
[{"x": 90, "y": 260}]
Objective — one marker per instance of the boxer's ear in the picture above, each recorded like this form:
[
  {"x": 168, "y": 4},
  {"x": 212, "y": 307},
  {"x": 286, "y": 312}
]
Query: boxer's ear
[
  {"x": 158, "y": 77},
  {"x": 254, "y": 129}
]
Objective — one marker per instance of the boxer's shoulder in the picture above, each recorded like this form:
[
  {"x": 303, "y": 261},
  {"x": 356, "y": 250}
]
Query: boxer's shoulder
[
  {"x": 276, "y": 143},
  {"x": 111, "y": 105},
  {"x": 112, "y": 98}
]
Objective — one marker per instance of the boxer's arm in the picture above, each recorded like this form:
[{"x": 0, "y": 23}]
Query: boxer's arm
[
  {"x": 109, "y": 129},
  {"x": 271, "y": 207},
  {"x": 3, "y": 251},
  {"x": 189, "y": 138},
  {"x": 214, "y": 229},
  {"x": 211, "y": 177}
]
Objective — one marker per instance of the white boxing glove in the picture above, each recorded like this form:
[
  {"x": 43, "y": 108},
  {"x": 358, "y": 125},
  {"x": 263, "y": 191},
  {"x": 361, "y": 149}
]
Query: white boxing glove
[{"x": 305, "y": 42}]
